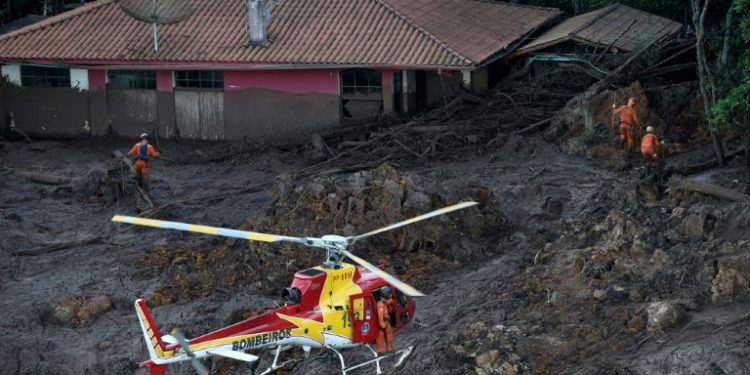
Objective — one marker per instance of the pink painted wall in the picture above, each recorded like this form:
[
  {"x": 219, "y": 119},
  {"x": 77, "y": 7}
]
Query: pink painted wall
[
  {"x": 321, "y": 81},
  {"x": 97, "y": 80},
  {"x": 164, "y": 81}
]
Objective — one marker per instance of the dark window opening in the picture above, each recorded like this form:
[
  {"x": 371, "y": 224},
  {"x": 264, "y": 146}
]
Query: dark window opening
[
  {"x": 132, "y": 79},
  {"x": 199, "y": 79},
  {"x": 40, "y": 76},
  {"x": 311, "y": 272},
  {"x": 361, "y": 82}
]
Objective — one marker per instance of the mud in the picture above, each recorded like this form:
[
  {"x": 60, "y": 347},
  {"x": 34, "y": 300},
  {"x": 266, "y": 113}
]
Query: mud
[{"x": 568, "y": 266}]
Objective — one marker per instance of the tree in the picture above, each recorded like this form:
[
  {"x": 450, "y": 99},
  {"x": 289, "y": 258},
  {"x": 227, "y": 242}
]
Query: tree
[
  {"x": 733, "y": 107},
  {"x": 705, "y": 77}
]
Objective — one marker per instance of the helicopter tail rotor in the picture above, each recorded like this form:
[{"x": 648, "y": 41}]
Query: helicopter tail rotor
[{"x": 197, "y": 365}]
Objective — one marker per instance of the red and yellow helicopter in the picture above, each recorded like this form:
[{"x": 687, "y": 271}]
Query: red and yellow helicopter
[{"x": 331, "y": 306}]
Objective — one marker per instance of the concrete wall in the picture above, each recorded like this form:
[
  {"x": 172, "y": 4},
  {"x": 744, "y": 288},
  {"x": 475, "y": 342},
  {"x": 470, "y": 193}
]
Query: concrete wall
[{"x": 280, "y": 105}]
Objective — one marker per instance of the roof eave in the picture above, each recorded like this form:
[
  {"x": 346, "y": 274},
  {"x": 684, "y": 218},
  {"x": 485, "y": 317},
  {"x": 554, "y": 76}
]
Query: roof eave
[{"x": 204, "y": 65}]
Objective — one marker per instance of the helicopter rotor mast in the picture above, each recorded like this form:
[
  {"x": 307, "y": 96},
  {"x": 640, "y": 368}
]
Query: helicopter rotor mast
[{"x": 334, "y": 245}]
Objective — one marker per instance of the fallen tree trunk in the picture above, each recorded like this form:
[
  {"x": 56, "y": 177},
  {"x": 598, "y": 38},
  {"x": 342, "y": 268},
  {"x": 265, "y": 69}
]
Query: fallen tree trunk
[
  {"x": 695, "y": 168},
  {"x": 44, "y": 178},
  {"x": 55, "y": 247},
  {"x": 708, "y": 188}
]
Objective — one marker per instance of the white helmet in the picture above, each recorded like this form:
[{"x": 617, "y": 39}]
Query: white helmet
[
  {"x": 144, "y": 136},
  {"x": 649, "y": 129}
]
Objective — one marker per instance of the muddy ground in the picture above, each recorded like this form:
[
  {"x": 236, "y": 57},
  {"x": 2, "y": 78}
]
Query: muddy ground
[{"x": 571, "y": 265}]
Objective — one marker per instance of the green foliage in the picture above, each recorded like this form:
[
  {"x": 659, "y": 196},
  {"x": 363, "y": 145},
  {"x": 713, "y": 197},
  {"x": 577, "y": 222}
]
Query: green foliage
[{"x": 734, "y": 103}]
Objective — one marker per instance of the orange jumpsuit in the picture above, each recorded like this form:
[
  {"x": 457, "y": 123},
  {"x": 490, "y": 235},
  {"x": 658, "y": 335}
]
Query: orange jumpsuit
[
  {"x": 651, "y": 147},
  {"x": 628, "y": 118},
  {"x": 142, "y": 166},
  {"x": 384, "y": 342}
]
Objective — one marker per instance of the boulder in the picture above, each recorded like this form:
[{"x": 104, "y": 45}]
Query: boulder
[
  {"x": 663, "y": 315},
  {"x": 732, "y": 280}
]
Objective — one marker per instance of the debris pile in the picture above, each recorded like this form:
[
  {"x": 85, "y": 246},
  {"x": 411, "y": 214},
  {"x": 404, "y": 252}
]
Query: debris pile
[{"x": 348, "y": 206}]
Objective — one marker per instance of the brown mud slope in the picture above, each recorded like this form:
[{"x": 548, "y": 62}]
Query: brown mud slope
[{"x": 568, "y": 266}]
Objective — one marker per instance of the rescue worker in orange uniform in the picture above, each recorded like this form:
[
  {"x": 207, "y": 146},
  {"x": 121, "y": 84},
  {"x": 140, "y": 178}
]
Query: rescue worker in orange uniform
[
  {"x": 384, "y": 342},
  {"x": 143, "y": 152},
  {"x": 651, "y": 148},
  {"x": 628, "y": 118}
]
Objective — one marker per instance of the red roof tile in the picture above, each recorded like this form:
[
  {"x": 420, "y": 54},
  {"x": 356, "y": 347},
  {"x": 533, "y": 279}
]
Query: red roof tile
[
  {"x": 617, "y": 25},
  {"x": 402, "y": 33}
]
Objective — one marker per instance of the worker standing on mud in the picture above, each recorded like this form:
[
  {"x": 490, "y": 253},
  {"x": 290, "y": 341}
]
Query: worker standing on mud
[
  {"x": 143, "y": 152},
  {"x": 384, "y": 341},
  {"x": 628, "y": 118},
  {"x": 651, "y": 148}
]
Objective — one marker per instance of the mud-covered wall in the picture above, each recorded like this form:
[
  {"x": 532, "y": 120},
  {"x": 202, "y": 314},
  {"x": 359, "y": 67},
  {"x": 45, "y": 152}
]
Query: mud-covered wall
[
  {"x": 165, "y": 104},
  {"x": 48, "y": 111},
  {"x": 441, "y": 87},
  {"x": 280, "y": 105},
  {"x": 98, "y": 112},
  {"x": 132, "y": 112}
]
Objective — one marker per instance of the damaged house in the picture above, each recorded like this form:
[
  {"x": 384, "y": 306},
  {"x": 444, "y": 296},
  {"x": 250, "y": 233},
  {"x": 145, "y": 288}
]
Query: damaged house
[
  {"x": 604, "y": 37},
  {"x": 95, "y": 70}
]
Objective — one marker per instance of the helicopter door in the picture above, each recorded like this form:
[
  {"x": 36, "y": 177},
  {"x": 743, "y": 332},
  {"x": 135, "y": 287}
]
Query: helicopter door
[{"x": 363, "y": 317}]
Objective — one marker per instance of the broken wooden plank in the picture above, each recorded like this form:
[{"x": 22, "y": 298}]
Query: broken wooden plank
[{"x": 708, "y": 188}]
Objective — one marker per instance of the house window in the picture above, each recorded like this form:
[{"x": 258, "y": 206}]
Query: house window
[
  {"x": 40, "y": 76},
  {"x": 132, "y": 79},
  {"x": 361, "y": 82},
  {"x": 201, "y": 79}
]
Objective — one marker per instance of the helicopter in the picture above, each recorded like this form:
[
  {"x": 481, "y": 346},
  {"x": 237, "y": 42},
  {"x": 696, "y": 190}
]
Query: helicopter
[{"x": 331, "y": 307}]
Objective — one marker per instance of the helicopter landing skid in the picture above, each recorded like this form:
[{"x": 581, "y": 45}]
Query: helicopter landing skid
[
  {"x": 401, "y": 357},
  {"x": 276, "y": 365}
]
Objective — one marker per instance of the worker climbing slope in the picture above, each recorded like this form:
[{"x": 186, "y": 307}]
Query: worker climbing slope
[
  {"x": 143, "y": 152},
  {"x": 628, "y": 118},
  {"x": 651, "y": 148}
]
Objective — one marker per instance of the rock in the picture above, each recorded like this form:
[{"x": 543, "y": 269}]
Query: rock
[
  {"x": 663, "y": 315},
  {"x": 649, "y": 191},
  {"x": 487, "y": 359},
  {"x": 696, "y": 225},
  {"x": 78, "y": 311},
  {"x": 91, "y": 309},
  {"x": 599, "y": 294},
  {"x": 732, "y": 281},
  {"x": 104, "y": 345}
]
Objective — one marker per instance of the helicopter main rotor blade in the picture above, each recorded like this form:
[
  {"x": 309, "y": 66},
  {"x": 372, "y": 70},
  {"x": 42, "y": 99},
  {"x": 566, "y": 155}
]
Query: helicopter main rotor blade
[
  {"x": 216, "y": 231},
  {"x": 428, "y": 215},
  {"x": 400, "y": 285}
]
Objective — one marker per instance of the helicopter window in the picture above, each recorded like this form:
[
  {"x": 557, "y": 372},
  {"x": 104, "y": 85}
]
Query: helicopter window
[
  {"x": 401, "y": 298},
  {"x": 338, "y": 308},
  {"x": 311, "y": 272}
]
